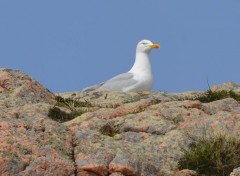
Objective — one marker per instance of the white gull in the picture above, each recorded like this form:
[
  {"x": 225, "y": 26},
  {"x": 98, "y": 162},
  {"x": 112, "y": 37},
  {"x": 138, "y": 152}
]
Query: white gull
[{"x": 138, "y": 78}]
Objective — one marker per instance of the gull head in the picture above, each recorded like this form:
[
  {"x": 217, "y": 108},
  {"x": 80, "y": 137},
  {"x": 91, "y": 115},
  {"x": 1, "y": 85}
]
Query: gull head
[{"x": 145, "y": 46}]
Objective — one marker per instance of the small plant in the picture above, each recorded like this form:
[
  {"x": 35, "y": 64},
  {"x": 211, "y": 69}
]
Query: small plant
[
  {"x": 106, "y": 96},
  {"x": 233, "y": 95},
  {"x": 111, "y": 129},
  {"x": 42, "y": 128},
  {"x": 214, "y": 155},
  {"x": 58, "y": 115},
  {"x": 71, "y": 103},
  {"x": 156, "y": 101},
  {"x": 61, "y": 116},
  {"x": 210, "y": 96}
]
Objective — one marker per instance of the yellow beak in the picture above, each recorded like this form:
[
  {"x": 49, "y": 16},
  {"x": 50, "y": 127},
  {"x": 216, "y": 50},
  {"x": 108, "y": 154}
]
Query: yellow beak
[{"x": 155, "y": 45}]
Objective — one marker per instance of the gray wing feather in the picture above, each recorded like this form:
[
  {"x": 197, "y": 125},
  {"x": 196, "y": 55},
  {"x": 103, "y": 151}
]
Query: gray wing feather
[
  {"x": 116, "y": 83},
  {"x": 119, "y": 82}
]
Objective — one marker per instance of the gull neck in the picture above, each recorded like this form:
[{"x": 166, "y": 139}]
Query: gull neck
[{"x": 142, "y": 63}]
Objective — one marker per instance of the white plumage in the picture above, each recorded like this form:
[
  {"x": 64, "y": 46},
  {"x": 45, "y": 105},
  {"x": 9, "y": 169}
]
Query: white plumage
[{"x": 138, "y": 78}]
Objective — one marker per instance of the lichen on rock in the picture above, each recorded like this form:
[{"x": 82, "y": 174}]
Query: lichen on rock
[{"x": 132, "y": 134}]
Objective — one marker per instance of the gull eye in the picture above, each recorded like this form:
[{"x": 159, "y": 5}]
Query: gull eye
[{"x": 144, "y": 43}]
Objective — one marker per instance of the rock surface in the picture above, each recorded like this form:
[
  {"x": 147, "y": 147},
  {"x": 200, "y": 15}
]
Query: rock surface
[
  {"x": 236, "y": 172},
  {"x": 121, "y": 134},
  {"x": 30, "y": 142}
]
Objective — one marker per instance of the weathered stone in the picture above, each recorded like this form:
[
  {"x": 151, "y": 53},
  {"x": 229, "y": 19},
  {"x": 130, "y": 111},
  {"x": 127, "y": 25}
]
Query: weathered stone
[
  {"x": 30, "y": 143},
  {"x": 186, "y": 172},
  {"x": 132, "y": 134},
  {"x": 116, "y": 174},
  {"x": 226, "y": 86},
  {"x": 236, "y": 172}
]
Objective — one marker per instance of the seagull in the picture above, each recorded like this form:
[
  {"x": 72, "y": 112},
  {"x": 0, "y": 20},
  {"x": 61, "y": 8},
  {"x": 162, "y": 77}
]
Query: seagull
[{"x": 138, "y": 78}]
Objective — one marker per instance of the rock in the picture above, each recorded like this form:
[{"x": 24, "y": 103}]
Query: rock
[
  {"x": 227, "y": 105},
  {"x": 20, "y": 89},
  {"x": 227, "y": 86},
  {"x": 186, "y": 172},
  {"x": 192, "y": 104},
  {"x": 153, "y": 130},
  {"x": 116, "y": 174},
  {"x": 236, "y": 172},
  {"x": 132, "y": 134},
  {"x": 86, "y": 173},
  {"x": 30, "y": 143}
]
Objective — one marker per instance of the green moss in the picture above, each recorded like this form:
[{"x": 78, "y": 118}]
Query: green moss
[
  {"x": 210, "y": 96},
  {"x": 214, "y": 155}
]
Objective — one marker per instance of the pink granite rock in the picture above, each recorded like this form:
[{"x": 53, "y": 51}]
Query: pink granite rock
[
  {"x": 132, "y": 134},
  {"x": 145, "y": 137},
  {"x": 227, "y": 86},
  {"x": 30, "y": 143}
]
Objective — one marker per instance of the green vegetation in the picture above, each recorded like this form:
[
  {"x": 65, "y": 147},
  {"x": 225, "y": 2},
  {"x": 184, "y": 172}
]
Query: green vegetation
[
  {"x": 58, "y": 115},
  {"x": 61, "y": 116},
  {"x": 111, "y": 129},
  {"x": 155, "y": 101},
  {"x": 210, "y": 95},
  {"x": 42, "y": 128},
  {"x": 214, "y": 155},
  {"x": 71, "y": 104}
]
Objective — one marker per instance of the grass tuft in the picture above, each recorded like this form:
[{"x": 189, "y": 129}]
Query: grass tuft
[
  {"x": 71, "y": 103},
  {"x": 57, "y": 114},
  {"x": 214, "y": 155},
  {"x": 210, "y": 96},
  {"x": 111, "y": 129}
]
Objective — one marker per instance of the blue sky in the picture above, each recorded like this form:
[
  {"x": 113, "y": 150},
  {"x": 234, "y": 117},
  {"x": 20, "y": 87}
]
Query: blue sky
[{"x": 69, "y": 45}]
